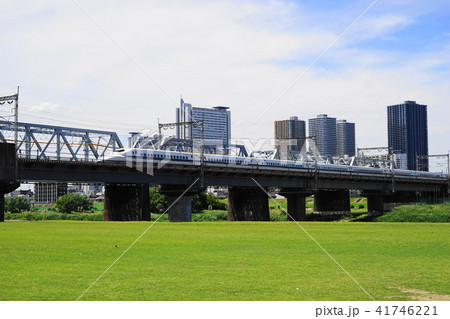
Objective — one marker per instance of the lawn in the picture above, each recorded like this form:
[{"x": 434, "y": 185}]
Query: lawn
[{"x": 59, "y": 260}]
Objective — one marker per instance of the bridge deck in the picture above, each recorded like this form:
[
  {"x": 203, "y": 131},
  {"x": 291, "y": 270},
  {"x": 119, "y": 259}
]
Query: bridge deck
[{"x": 221, "y": 174}]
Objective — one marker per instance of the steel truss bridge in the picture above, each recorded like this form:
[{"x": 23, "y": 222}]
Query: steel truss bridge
[
  {"x": 171, "y": 143},
  {"x": 45, "y": 142}
]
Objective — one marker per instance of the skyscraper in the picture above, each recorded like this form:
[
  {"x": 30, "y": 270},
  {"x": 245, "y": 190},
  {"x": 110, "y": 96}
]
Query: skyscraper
[
  {"x": 345, "y": 135},
  {"x": 324, "y": 129},
  {"x": 408, "y": 133},
  {"x": 216, "y": 123},
  {"x": 290, "y": 129}
]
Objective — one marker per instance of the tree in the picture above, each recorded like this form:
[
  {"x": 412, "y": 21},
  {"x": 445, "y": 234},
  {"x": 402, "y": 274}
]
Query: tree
[
  {"x": 199, "y": 202},
  {"x": 74, "y": 202},
  {"x": 158, "y": 202},
  {"x": 17, "y": 204},
  {"x": 215, "y": 203},
  {"x": 203, "y": 201}
]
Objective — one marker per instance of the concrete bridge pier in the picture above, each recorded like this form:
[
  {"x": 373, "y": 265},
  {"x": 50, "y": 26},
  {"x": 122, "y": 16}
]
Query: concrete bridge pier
[
  {"x": 247, "y": 204},
  {"x": 296, "y": 203},
  {"x": 2, "y": 206},
  {"x": 375, "y": 203},
  {"x": 126, "y": 202},
  {"x": 399, "y": 198},
  {"x": 437, "y": 196},
  {"x": 144, "y": 201},
  {"x": 7, "y": 174},
  {"x": 380, "y": 202},
  {"x": 181, "y": 210},
  {"x": 332, "y": 202},
  {"x": 5, "y": 188}
]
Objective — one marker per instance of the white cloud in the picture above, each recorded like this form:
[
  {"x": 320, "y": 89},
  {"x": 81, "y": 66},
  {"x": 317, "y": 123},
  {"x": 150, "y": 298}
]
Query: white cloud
[
  {"x": 45, "y": 107},
  {"x": 241, "y": 54},
  {"x": 385, "y": 24}
]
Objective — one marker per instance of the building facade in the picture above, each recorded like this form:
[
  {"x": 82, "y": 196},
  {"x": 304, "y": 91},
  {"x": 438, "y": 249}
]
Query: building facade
[
  {"x": 408, "y": 133},
  {"x": 401, "y": 161},
  {"x": 345, "y": 138},
  {"x": 324, "y": 130},
  {"x": 49, "y": 192},
  {"x": 216, "y": 123},
  {"x": 285, "y": 133}
]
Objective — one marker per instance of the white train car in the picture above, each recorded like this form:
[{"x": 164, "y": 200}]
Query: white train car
[{"x": 133, "y": 156}]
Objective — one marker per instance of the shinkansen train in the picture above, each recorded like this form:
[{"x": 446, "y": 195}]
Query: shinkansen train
[{"x": 137, "y": 155}]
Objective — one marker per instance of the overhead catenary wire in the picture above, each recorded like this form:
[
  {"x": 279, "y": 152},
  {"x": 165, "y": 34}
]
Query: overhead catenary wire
[
  {"x": 30, "y": 107},
  {"x": 71, "y": 119},
  {"x": 78, "y": 121}
]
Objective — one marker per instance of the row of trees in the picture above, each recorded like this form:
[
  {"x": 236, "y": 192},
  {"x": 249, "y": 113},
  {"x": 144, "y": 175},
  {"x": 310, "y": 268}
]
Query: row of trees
[
  {"x": 66, "y": 204},
  {"x": 74, "y": 202},
  {"x": 17, "y": 204}
]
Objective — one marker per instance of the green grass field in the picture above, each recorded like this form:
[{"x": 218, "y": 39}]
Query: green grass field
[{"x": 58, "y": 260}]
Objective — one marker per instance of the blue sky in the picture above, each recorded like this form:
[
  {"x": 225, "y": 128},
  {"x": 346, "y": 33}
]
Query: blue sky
[{"x": 242, "y": 54}]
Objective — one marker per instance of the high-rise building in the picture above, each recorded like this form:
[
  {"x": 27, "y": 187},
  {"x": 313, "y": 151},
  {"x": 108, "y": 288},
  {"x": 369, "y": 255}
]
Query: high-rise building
[
  {"x": 324, "y": 130},
  {"x": 408, "y": 133},
  {"x": 216, "y": 123},
  {"x": 286, "y": 131},
  {"x": 345, "y": 135}
]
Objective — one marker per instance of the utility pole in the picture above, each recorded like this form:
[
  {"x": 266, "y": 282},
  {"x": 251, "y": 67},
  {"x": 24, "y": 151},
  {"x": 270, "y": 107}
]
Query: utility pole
[
  {"x": 14, "y": 99},
  {"x": 202, "y": 157},
  {"x": 16, "y": 122},
  {"x": 202, "y": 146},
  {"x": 419, "y": 157},
  {"x": 310, "y": 138}
]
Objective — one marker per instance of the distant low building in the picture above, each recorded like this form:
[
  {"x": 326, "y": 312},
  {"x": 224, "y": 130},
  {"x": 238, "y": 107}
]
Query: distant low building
[
  {"x": 22, "y": 192},
  {"x": 49, "y": 192}
]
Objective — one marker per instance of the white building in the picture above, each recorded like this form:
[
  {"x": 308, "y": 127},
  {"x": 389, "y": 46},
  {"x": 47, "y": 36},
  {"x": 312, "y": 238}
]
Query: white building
[
  {"x": 216, "y": 123},
  {"x": 401, "y": 160}
]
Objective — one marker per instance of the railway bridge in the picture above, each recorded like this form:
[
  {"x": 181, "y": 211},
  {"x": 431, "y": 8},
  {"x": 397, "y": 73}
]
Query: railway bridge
[{"x": 126, "y": 187}]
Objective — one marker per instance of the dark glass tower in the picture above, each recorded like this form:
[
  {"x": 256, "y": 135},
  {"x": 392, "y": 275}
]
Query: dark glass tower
[
  {"x": 324, "y": 129},
  {"x": 408, "y": 133},
  {"x": 345, "y": 138}
]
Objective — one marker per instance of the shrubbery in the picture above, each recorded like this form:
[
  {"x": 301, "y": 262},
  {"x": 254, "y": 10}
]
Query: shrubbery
[
  {"x": 211, "y": 216},
  {"x": 55, "y": 216},
  {"x": 203, "y": 201},
  {"x": 439, "y": 213},
  {"x": 74, "y": 202},
  {"x": 17, "y": 204},
  {"x": 200, "y": 202}
]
